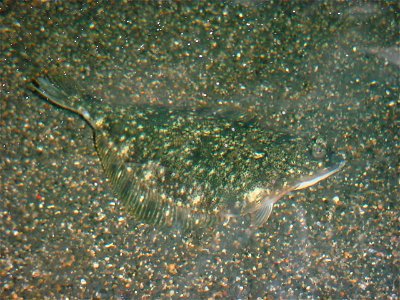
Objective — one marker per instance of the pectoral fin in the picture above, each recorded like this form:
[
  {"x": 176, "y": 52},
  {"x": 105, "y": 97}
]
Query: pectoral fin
[{"x": 262, "y": 212}]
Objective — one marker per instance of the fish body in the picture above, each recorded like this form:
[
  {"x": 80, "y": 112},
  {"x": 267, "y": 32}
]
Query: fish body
[{"x": 187, "y": 166}]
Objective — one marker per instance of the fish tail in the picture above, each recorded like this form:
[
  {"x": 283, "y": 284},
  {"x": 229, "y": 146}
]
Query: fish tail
[{"x": 62, "y": 94}]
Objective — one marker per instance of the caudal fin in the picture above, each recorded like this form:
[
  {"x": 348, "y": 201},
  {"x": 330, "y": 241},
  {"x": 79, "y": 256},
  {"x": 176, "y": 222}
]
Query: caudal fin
[{"x": 59, "y": 93}]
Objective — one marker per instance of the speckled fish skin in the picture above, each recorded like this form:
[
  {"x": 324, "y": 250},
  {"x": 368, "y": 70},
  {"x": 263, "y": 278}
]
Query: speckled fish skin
[{"x": 184, "y": 167}]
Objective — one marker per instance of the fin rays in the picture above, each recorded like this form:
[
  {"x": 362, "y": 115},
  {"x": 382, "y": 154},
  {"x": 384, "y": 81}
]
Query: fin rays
[
  {"x": 261, "y": 211},
  {"x": 261, "y": 215}
]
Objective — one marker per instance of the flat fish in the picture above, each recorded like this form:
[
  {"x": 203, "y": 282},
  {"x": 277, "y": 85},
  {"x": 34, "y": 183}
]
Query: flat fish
[{"x": 188, "y": 167}]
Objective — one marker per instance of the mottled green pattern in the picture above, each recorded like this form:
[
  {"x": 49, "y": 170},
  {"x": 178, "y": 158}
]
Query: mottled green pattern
[
  {"x": 195, "y": 153},
  {"x": 184, "y": 167}
]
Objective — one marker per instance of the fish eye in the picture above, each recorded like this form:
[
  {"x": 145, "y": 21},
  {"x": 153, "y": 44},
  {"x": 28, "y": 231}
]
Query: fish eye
[{"x": 319, "y": 149}]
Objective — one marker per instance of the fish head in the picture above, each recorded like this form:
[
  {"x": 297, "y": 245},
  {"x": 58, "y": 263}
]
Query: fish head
[{"x": 303, "y": 163}]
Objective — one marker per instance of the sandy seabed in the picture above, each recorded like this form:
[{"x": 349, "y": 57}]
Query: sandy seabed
[{"x": 328, "y": 69}]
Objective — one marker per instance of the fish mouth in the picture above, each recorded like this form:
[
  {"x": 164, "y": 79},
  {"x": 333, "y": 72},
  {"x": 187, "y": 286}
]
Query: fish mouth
[{"x": 260, "y": 207}]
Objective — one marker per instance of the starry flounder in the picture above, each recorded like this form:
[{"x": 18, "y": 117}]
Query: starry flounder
[{"x": 190, "y": 167}]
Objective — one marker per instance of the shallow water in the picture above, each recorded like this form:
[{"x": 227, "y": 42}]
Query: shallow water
[{"x": 303, "y": 68}]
